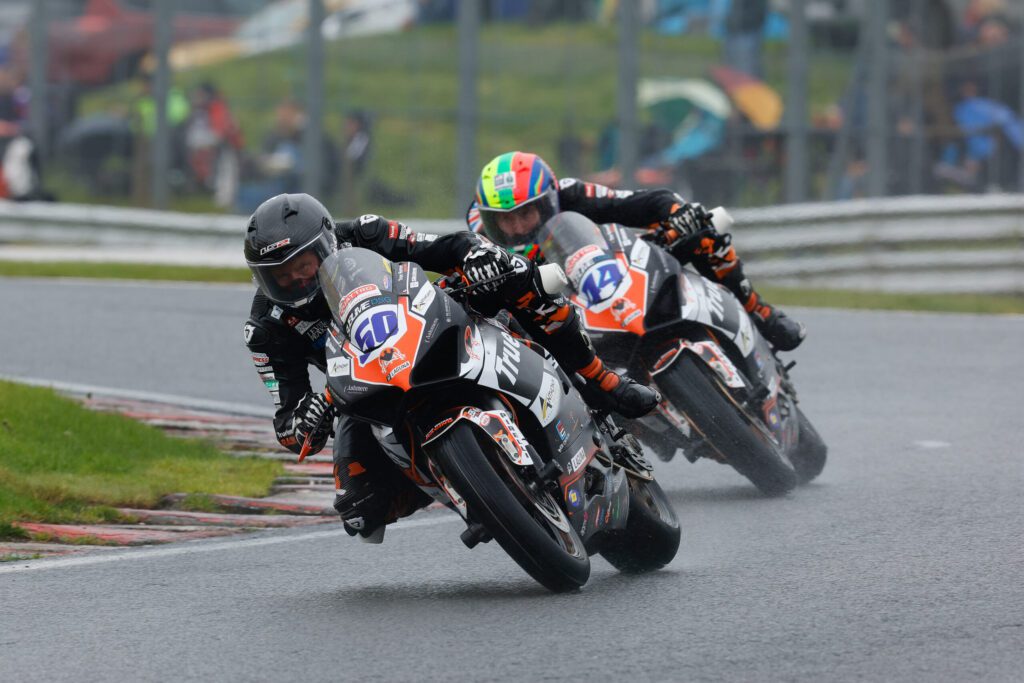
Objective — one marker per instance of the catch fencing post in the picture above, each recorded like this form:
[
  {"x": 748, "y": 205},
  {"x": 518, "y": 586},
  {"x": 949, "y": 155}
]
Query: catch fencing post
[
  {"x": 629, "y": 47},
  {"x": 796, "y": 104},
  {"x": 877, "y": 133},
  {"x": 313, "y": 134},
  {"x": 468, "y": 36},
  {"x": 161, "y": 85}
]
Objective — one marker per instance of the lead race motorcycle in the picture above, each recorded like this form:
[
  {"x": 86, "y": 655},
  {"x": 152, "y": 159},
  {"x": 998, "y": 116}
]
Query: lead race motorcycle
[
  {"x": 489, "y": 425},
  {"x": 728, "y": 397}
]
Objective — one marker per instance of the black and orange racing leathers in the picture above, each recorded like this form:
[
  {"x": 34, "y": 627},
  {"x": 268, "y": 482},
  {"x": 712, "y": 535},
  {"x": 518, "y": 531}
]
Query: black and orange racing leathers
[
  {"x": 284, "y": 342},
  {"x": 713, "y": 254}
]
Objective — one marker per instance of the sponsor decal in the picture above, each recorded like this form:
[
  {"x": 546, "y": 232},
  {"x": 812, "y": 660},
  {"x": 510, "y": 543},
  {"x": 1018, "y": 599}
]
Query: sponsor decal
[
  {"x": 367, "y": 218},
  {"x": 423, "y": 299},
  {"x": 507, "y": 363},
  {"x": 391, "y": 375},
  {"x": 356, "y": 389},
  {"x": 504, "y": 180},
  {"x": 577, "y": 460},
  {"x": 389, "y": 356},
  {"x": 266, "y": 371},
  {"x": 574, "y": 498},
  {"x": 580, "y": 257},
  {"x": 485, "y": 420},
  {"x": 640, "y": 254},
  {"x": 439, "y": 426},
  {"x": 622, "y": 308},
  {"x": 338, "y": 366},
  {"x": 276, "y": 245},
  {"x": 560, "y": 428},
  {"x": 354, "y": 297},
  {"x": 289, "y": 441},
  {"x": 271, "y": 384},
  {"x": 247, "y": 332},
  {"x": 473, "y": 344},
  {"x": 260, "y": 358},
  {"x": 566, "y": 182},
  {"x": 276, "y": 312}
]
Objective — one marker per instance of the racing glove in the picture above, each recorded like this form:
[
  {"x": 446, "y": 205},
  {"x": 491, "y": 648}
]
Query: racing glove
[
  {"x": 685, "y": 221},
  {"x": 485, "y": 262},
  {"x": 313, "y": 417}
]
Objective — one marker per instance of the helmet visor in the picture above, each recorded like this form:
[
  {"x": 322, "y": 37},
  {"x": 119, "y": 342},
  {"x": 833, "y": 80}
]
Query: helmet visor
[
  {"x": 292, "y": 281},
  {"x": 521, "y": 224}
]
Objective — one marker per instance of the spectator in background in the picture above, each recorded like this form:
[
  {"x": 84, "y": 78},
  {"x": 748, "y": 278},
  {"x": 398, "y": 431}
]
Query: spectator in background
[
  {"x": 354, "y": 158},
  {"x": 744, "y": 36},
  {"x": 144, "y": 119},
  {"x": 19, "y": 158},
  {"x": 281, "y": 167},
  {"x": 213, "y": 142}
]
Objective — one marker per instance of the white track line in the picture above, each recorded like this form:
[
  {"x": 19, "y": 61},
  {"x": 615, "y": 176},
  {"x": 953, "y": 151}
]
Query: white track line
[{"x": 186, "y": 548}]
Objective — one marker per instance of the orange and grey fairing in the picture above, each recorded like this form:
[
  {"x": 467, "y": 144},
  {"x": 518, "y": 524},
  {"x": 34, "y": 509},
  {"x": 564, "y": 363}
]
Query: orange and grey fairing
[{"x": 406, "y": 357}]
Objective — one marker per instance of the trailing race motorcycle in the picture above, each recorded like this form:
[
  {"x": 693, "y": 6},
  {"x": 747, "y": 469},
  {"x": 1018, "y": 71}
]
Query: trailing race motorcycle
[
  {"x": 728, "y": 397},
  {"x": 489, "y": 425}
]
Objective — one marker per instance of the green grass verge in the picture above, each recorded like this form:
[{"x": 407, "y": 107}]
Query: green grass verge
[
  {"x": 884, "y": 301},
  {"x": 63, "y": 463}
]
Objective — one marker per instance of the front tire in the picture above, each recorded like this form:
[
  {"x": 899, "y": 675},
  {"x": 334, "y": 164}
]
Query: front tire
[
  {"x": 810, "y": 453},
  {"x": 719, "y": 420},
  {"x": 651, "y": 537},
  {"x": 529, "y": 525}
]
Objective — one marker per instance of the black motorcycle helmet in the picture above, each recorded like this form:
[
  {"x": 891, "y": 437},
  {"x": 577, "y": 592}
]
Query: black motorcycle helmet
[{"x": 288, "y": 237}]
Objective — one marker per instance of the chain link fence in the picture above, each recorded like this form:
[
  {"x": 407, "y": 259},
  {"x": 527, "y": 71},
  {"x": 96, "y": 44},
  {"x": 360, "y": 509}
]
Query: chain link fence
[{"x": 393, "y": 106}]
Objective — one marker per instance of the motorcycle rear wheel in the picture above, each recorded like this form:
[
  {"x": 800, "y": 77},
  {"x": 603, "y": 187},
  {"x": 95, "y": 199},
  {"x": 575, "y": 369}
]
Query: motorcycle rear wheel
[
  {"x": 651, "y": 537},
  {"x": 740, "y": 443},
  {"x": 529, "y": 525},
  {"x": 810, "y": 454}
]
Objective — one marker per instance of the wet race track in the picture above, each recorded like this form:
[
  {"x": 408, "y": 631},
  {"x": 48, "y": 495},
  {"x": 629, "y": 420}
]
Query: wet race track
[{"x": 904, "y": 561}]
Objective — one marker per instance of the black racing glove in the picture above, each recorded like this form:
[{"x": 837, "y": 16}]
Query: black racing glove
[
  {"x": 685, "y": 221},
  {"x": 485, "y": 262},
  {"x": 313, "y": 416}
]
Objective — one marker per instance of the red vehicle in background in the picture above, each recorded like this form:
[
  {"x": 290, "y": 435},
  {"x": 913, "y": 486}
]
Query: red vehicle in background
[{"x": 95, "y": 42}]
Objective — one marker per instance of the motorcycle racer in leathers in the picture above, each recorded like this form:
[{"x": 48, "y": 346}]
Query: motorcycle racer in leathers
[
  {"x": 517, "y": 193},
  {"x": 288, "y": 237}
]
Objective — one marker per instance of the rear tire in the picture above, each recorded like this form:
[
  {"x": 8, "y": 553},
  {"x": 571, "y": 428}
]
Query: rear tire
[
  {"x": 740, "y": 443},
  {"x": 810, "y": 454},
  {"x": 531, "y": 527},
  {"x": 651, "y": 537}
]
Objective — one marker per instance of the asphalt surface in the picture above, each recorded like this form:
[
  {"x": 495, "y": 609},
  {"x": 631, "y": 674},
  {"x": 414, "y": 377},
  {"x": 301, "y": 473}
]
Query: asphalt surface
[{"x": 903, "y": 562}]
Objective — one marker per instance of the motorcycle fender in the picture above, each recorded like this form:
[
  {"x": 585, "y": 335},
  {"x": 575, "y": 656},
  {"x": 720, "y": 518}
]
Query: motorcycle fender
[
  {"x": 712, "y": 354},
  {"x": 498, "y": 425}
]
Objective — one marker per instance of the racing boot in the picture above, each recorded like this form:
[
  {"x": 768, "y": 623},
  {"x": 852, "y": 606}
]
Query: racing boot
[
  {"x": 368, "y": 501},
  {"x": 781, "y": 331},
  {"x": 609, "y": 390}
]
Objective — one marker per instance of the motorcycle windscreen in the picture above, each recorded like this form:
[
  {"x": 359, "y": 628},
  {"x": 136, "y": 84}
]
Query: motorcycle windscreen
[
  {"x": 576, "y": 243},
  {"x": 359, "y": 287}
]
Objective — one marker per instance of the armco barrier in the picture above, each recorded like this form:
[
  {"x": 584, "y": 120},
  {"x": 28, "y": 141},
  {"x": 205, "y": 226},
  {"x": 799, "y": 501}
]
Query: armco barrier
[{"x": 893, "y": 243}]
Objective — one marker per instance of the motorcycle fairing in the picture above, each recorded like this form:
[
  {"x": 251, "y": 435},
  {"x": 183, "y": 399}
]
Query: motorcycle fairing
[{"x": 711, "y": 304}]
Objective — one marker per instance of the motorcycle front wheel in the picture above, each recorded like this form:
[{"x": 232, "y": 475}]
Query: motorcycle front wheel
[
  {"x": 527, "y": 522},
  {"x": 651, "y": 537},
  {"x": 810, "y": 453},
  {"x": 727, "y": 429}
]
